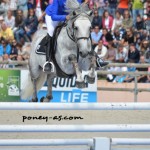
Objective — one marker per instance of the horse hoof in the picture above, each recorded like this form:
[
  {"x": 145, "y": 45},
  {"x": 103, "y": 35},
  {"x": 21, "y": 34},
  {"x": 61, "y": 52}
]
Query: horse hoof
[
  {"x": 34, "y": 100},
  {"x": 42, "y": 99},
  {"x": 90, "y": 80},
  {"x": 80, "y": 85}
]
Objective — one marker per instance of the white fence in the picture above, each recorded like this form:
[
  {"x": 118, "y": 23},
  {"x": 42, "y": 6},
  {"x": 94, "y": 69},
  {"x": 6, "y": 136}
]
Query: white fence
[
  {"x": 94, "y": 144},
  {"x": 73, "y": 106}
]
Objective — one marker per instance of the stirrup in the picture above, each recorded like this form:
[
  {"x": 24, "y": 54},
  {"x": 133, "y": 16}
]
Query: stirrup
[
  {"x": 101, "y": 63},
  {"x": 52, "y": 69}
]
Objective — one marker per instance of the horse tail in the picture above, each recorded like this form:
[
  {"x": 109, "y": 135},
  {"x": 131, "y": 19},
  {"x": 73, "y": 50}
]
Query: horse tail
[{"x": 28, "y": 89}]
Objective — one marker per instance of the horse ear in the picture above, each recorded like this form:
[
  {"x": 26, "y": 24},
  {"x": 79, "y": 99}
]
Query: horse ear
[{"x": 89, "y": 13}]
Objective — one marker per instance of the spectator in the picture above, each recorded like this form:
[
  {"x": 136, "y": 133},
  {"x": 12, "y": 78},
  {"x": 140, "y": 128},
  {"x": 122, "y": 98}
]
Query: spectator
[
  {"x": 139, "y": 25},
  {"x": 122, "y": 54},
  {"x": 128, "y": 37},
  {"x": 107, "y": 20},
  {"x": 6, "y": 32},
  {"x": 95, "y": 35},
  {"x": 10, "y": 20},
  {"x": 31, "y": 24},
  {"x": 147, "y": 53},
  {"x": 14, "y": 51},
  {"x": 19, "y": 25},
  {"x": 13, "y": 6},
  {"x": 112, "y": 5},
  {"x": 123, "y": 6},
  {"x": 133, "y": 53},
  {"x": 106, "y": 37},
  {"x": 5, "y": 47},
  {"x": 117, "y": 23},
  {"x": 97, "y": 20},
  {"x": 3, "y": 7},
  {"x": 22, "y": 5},
  {"x": 144, "y": 46},
  {"x": 142, "y": 78},
  {"x": 137, "y": 9},
  {"x": 101, "y": 5},
  {"x": 117, "y": 36},
  {"x": 127, "y": 20},
  {"x": 111, "y": 54},
  {"x": 101, "y": 50},
  {"x": 6, "y": 58}
]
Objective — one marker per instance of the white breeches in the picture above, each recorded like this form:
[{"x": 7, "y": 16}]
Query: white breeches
[{"x": 51, "y": 25}]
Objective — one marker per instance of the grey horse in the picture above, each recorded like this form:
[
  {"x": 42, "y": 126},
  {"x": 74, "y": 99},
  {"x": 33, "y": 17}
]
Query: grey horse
[{"x": 73, "y": 53}]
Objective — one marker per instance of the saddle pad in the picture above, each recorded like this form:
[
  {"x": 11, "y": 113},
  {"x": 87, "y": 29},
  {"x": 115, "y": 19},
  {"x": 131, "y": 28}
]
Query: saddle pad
[{"x": 41, "y": 48}]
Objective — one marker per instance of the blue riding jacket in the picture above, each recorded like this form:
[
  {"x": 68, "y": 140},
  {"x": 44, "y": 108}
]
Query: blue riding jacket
[{"x": 57, "y": 10}]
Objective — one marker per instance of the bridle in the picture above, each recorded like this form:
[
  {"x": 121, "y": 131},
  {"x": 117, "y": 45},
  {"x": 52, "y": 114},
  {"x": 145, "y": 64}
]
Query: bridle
[{"x": 71, "y": 34}]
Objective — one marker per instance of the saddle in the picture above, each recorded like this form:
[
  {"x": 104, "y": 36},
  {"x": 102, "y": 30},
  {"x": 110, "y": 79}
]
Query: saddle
[{"x": 41, "y": 49}]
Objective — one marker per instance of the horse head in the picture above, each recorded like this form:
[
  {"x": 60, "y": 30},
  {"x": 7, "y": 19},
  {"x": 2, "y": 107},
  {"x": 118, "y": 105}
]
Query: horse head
[{"x": 79, "y": 29}]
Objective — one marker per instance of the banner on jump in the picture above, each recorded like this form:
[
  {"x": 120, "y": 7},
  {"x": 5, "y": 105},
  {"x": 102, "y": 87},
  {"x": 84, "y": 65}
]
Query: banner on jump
[
  {"x": 9, "y": 85},
  {"x": 64, "y": 90}
]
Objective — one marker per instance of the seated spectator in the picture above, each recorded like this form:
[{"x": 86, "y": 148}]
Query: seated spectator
[
  {"x": 139, "y": 23},
  {"x": 137, "y": 9},
  {"x": 117, "y": 36},
  {"x": 133, "y": 53},
  {"x": 5, "y": 47},
  {"x": 144, "y": 46},
  {"x": 6, "y": 32},
  {"x": 106, "y": 37},
  {"x": 123, "y": 5},
  {"x": 31, "y": 24},
  {"x": 117, "y": 23},
  {"x": 147, "y": 54},
  {"x": 97, "y": 20},
  {"x": 14, "y": 51},
  {"x": 1, "y": 21},
  {"x": 142, "y": 78},
  {"x": 22, "y": 5},
  {"x": 122, "y": 54},
  {"x": 137, "y": 39},
  {"x": 10, "y": 20},
  {"x": 128, "y": 37},
  {"x": 112, "y": 5},
  {"x": 101, "y": 50},
  {"x": 3, "y": 7},
  {"x": 101, "y": 5},
  {"x": 127, "y": 20},
  {"x": 6, "y": 58},
  {"x": 107, "y": 21},
  {"x": 111, "y": 54},
  {"x": 95, "y": 35},
  {"x": 19, "y": 26},
  {"x": 129, "y": 78}
]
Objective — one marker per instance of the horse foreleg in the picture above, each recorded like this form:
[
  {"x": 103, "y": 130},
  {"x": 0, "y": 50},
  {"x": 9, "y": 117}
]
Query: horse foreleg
[
  {"x": 79, "y": 80},
  {"x": 49, "y": 89},
  {"x": 91, "y": 75},
  {"x": 34, "y": 98}
]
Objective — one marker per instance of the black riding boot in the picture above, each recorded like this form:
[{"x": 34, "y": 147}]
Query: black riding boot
[{"x": 48, "y": 66}]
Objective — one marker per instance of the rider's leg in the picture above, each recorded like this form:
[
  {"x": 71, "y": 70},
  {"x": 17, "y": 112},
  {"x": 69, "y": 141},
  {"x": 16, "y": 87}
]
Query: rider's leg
[{"x": 51, "y": 25}]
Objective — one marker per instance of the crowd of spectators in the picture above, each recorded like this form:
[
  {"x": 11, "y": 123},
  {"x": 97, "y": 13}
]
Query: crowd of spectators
[{"x": 120, "y": 30}]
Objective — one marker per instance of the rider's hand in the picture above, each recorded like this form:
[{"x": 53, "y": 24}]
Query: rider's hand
[{"x": 67, "y": 17}]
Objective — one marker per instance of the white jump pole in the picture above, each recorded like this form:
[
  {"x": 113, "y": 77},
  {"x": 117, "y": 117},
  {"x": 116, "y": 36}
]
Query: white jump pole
[
  {"x": 127, "y": 141},
  {"x": 76, "y": 128},
  {"x": 69, "y": 142},
  {"x": 73, "y": 106},
  {"x": 46, "y": 142}
]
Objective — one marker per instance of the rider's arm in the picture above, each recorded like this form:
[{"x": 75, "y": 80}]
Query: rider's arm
[{"x": 55, "y": 16}]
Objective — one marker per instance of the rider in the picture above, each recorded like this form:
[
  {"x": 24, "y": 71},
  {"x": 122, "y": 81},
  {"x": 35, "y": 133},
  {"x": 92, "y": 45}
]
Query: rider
[{"x": 54, "y": 14}]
